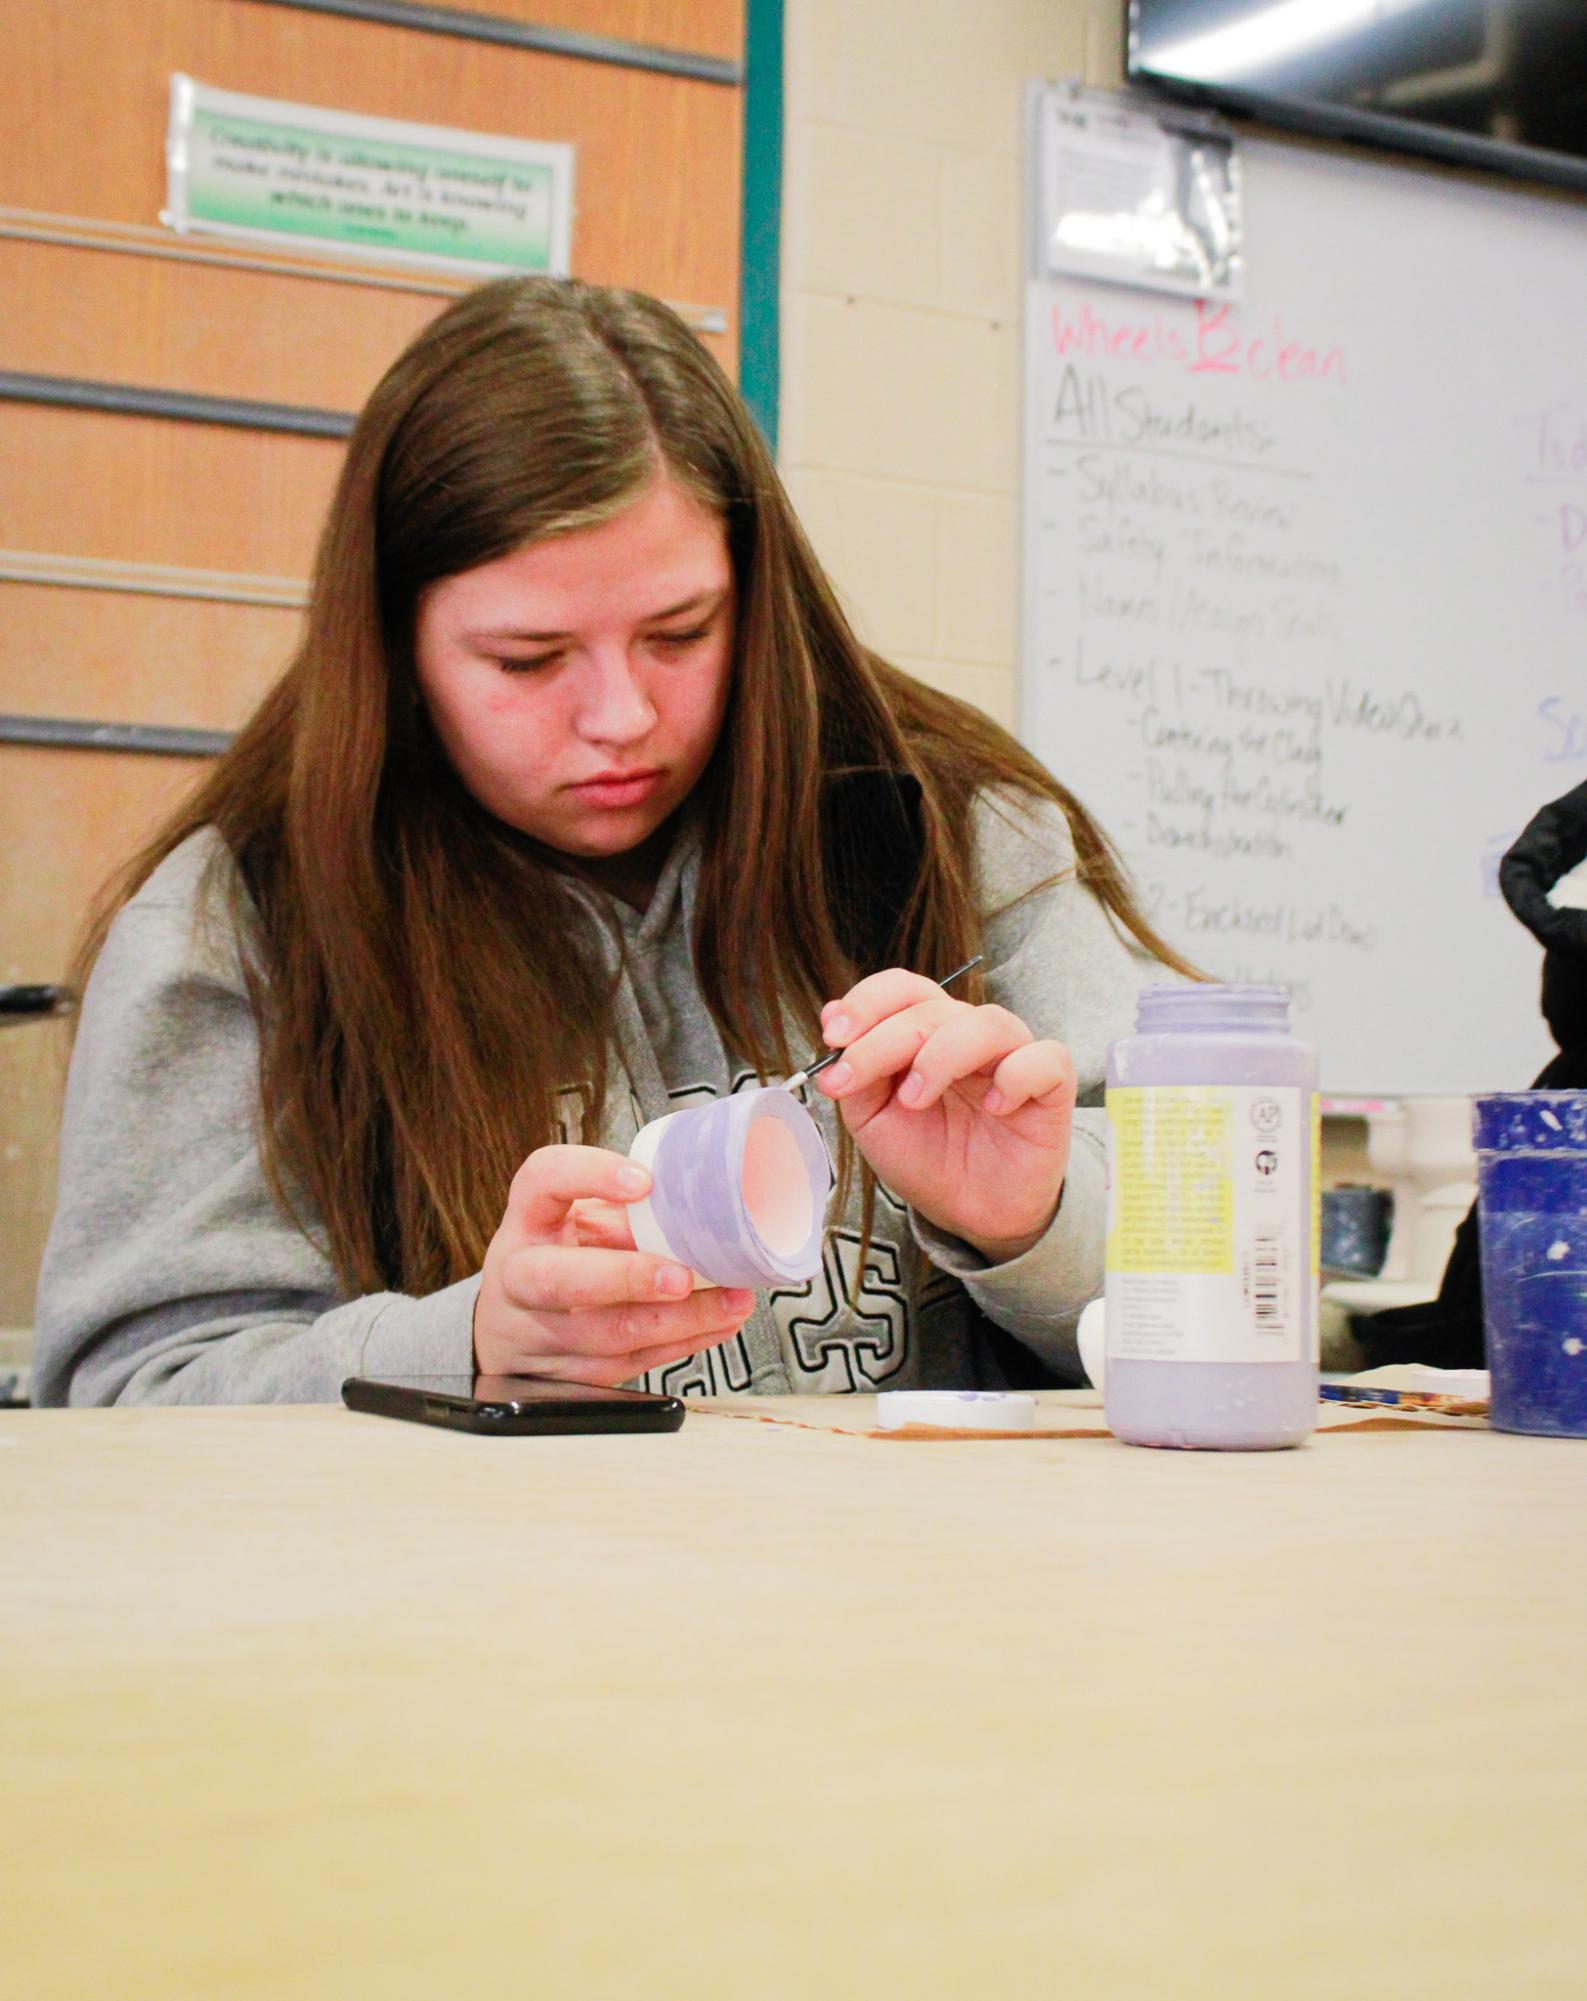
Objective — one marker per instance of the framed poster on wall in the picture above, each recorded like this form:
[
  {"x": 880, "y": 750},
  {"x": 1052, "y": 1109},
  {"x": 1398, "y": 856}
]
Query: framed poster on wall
[{"x": 260, "y": 169}]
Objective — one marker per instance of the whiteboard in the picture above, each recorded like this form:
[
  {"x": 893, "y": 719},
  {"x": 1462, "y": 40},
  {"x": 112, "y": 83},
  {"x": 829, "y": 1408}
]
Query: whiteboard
[{"x": 1305, "y": 597}]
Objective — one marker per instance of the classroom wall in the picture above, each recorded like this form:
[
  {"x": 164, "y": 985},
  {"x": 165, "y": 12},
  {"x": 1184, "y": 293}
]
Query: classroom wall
[
  {"x": 900, "y": 388},
  {"x": 902, "y": 210},
  {"x": 901, "y": 311}
]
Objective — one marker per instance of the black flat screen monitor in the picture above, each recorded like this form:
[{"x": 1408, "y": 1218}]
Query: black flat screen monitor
[{"x": 1491, "y": 83}]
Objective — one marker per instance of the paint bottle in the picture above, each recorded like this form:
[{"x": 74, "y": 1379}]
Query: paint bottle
[
  {"x": 739, "y": 1189},
  {"x": 1213, "y": 1140}
]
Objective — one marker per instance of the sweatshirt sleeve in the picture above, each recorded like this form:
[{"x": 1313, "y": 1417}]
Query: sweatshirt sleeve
[
  {"x": 1056, "y": 959},
  {"x": 171, "y": 1275}
]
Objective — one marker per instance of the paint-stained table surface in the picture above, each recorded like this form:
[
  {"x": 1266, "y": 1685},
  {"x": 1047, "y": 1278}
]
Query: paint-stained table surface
[{"x": 304, "y": 1704}]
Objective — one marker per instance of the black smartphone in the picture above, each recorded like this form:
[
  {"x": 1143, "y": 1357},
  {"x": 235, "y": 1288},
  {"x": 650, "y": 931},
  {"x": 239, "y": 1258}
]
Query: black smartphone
[{"x": 509, "y": 1406}]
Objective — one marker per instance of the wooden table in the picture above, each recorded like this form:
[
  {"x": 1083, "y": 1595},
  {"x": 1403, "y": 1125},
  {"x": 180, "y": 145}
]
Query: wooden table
[{"x": 299, "y": 1703}]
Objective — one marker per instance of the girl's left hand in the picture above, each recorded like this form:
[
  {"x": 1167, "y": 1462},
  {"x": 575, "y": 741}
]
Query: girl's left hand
[{"x": 960, "y": 1110}]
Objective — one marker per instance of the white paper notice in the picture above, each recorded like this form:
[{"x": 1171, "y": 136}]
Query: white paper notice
[{"x": 1137, "y": 199}]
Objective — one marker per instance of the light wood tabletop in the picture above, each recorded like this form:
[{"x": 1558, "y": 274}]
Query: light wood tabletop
[{"x": 299, "y": 1703}]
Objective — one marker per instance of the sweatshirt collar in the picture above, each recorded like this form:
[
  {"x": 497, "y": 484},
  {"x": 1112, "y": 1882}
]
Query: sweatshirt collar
[{"x": 673, "y": 896}]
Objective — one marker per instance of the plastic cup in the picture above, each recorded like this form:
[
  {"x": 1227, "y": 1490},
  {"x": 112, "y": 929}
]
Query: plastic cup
[{"x": 1532, "y": 1224}]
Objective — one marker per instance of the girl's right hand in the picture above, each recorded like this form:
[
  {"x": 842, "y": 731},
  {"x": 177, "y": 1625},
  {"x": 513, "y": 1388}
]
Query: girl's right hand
[{"x": 564, "y": 1293}]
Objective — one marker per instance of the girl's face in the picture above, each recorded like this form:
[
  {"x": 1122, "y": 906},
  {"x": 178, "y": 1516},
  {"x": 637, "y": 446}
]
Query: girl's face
[{"x": 578, "y": 685}]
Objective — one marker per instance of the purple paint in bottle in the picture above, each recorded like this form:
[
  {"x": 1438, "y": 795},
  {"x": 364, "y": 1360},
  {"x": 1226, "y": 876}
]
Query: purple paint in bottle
[{"x": 1212, "y": 1222}]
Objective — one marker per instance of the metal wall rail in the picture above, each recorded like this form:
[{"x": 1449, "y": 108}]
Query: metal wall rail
[
  {"x": 148, "y": 739},
  {"x": 477, "y": 27},
  {"x": 126, "y": 399}
]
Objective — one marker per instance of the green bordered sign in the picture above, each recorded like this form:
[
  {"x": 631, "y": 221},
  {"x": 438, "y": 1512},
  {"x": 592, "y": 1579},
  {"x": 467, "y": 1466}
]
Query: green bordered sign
[{"x": 264, "y": 170}]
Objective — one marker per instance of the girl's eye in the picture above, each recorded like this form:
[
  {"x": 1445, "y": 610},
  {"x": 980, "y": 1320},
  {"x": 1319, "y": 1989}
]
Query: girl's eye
[
  {"x": 526, "y": 663},
  {"x": 678, "y": 640}
]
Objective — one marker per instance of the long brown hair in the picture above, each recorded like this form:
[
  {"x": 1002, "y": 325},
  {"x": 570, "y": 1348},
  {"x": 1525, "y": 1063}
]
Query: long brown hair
[{"x": 407, "y": 954}]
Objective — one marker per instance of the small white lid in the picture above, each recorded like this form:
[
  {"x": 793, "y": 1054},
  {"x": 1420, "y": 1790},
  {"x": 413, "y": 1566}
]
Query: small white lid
[
  {"x": 646, "y": 1229},
  {"x": 956, "y": 1410},
  {"x": 1091, "y": 1337}
]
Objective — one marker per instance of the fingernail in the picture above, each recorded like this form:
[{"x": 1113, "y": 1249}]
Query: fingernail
[
  {"x": 913, "y": 1088},
  {"x": 737, "y": 1300},
  {"x": 674, "y": 1281},
  {"x": 992, "y": 1102},
  {"x": 635, "y": 1179},
  {"x": 838, "y": 1029},
  {"x": 839, "y": 1077}
]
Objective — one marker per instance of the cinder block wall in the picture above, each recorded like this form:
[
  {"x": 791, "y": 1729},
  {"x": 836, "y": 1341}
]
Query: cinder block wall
[{"x": 901, "y": 310}]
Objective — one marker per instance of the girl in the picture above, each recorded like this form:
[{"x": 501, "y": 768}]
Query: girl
[{"x": 580, "y": 802}]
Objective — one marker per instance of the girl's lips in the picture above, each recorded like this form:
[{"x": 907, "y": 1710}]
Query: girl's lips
[{"x": 612, "y": 790}]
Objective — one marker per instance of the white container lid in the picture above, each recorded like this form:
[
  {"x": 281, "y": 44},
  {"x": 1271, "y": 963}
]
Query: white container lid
[{"x": 956, "y": 1410}]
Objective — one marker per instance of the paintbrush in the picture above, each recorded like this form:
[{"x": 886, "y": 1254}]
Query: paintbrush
[{"x": 802, "y": 1077}]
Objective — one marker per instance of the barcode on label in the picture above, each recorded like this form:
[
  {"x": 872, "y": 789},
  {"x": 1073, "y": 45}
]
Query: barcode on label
[{"x": 1267, "y": 1294}]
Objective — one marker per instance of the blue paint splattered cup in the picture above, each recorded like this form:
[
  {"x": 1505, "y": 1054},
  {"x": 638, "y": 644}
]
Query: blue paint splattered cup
[{"x": 1532, "y": 1223}]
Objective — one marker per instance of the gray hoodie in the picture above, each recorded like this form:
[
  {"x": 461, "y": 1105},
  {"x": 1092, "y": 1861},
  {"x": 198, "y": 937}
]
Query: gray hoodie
[{"x": 172, "y": 1276}]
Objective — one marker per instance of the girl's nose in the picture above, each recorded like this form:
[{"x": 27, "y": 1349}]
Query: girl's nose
[{"x": 615, "y": 707}]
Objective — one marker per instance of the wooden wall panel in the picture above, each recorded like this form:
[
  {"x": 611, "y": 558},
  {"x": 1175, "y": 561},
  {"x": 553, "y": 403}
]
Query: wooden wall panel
[
  {"x": 32, "y": 1069},
  {"x": 112, "y": 656},
  {"x": 141, "y": 489},
  {"x": 84, "y": 96},
  {"x": 99, "y": 804},
  {"x": 218, "y": 332},
  {"x": 657, "y": 162}
]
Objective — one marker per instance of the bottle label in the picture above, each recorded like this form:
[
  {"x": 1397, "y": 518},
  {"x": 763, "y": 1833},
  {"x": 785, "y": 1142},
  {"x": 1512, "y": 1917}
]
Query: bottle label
[{"x": 1210, "y": 1224}]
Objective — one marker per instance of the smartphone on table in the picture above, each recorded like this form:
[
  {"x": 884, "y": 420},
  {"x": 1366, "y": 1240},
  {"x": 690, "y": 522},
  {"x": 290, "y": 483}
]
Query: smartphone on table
[{"x": 511, "y": 1406}]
